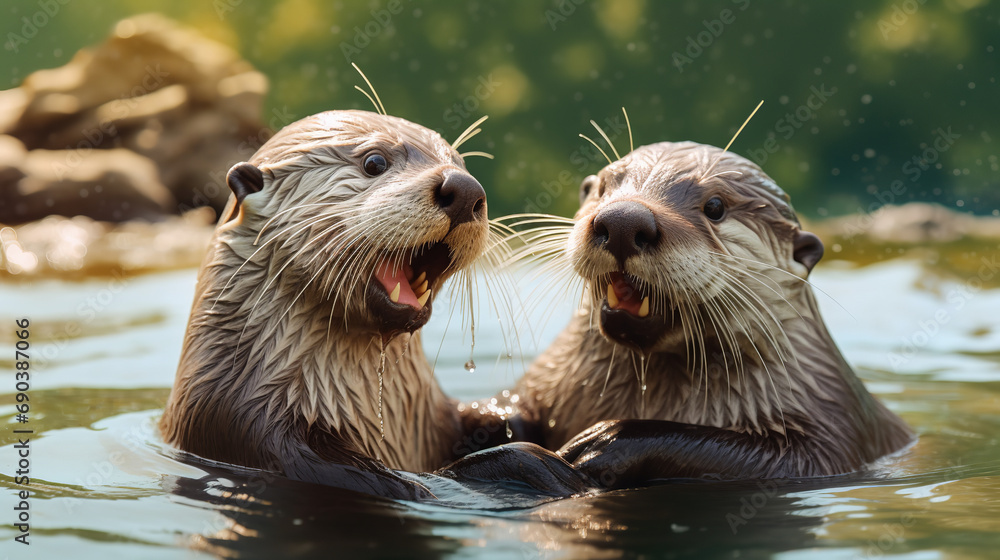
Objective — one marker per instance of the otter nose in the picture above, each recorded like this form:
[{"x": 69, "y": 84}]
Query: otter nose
[
  {"x": 461, "y": 197},
  {"x": 625, "y": 229}
]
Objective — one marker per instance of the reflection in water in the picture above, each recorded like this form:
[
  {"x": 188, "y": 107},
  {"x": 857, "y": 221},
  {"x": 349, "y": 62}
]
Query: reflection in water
[{"x": 266, "y": 516}]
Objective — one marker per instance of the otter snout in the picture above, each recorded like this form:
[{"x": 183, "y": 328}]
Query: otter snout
[
  {"x": 461, "y": 197},
  {"x": 625, "y": 229}
]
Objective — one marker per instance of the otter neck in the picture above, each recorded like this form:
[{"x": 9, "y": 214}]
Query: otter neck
[{"x": 298, "y": 369}]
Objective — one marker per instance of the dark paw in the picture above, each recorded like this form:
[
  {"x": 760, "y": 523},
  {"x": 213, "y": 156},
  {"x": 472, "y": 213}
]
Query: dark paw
[{"x": 520, "y": 464}]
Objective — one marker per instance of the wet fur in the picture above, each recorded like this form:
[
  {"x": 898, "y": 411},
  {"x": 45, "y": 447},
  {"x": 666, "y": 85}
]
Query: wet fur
[
  {"x": 760, "y": 390},
  {"x": 280, "y": 357}
]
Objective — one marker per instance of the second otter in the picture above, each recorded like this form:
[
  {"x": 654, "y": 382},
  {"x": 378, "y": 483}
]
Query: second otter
[{"x": 711, "y": 357}]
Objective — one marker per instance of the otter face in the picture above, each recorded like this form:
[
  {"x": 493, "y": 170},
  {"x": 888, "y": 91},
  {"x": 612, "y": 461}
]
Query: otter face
[
  {"x": 365, "y": 214},
  {"x": 682, "y": 238}
]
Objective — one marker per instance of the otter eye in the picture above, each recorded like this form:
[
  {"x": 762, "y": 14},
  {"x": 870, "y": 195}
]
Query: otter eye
[
  {"x": 587, "y": 186},
  {"x": 715, "y": 209},
  {"x": 375, "y": 164}
]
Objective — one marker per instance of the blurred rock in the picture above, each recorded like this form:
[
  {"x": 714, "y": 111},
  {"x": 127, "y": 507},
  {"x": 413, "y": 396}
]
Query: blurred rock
[
  {"x": 912, "y": 223},
  {"x": 154, "y": 93},
  {"x": 112, "y": 185},
  {"x": 81, "y": 246}
]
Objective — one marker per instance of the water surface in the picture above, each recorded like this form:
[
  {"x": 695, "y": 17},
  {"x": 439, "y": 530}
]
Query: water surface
[{"x": 924, "y": 340}]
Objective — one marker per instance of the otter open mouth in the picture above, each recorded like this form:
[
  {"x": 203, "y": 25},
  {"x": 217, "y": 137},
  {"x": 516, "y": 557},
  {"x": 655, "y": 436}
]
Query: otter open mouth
[
  {"x": 625, "y": 313},
  {"x": 400, "y": 295}
]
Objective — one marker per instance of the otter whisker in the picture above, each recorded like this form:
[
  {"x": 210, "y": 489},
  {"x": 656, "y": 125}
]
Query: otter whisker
[
  {"x": 378, "y": 106},
  {"x": 492, "y": 261},
  {"x": 628, "y": 125},
  {"x": 733, "y": 139},
  {"x": 540, "y": 217},
  {"x": 308, "y": 222},
  {"x": 476, "y": 154},
  {"x": 738, "y": 284},
  {"x": 767, "y": 372},
  {"x": 307, "y": 284},
  {"x": 794, "y": 277},
  {"x": 598, "y": 148},
  {"x": 259, "y": 249},
  {"x": 606, "y": 139},
  {"x": 468, "y": 133},
  {"x": 721, "y": 173},
  {"x": 292, "y": 209},
  {"x": 726, "y": 338},
  {"x": 284, "y": 266},
  {"x": 552, "y": 248},
  {"x": 365, "y": 93},
  {"x": 753, "y": 276},
  {"x": 444, "y": 335},
  {"x": 611, "y": 364}
]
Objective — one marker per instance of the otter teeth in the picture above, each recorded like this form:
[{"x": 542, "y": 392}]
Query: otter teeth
[
  {"x": 394, "y": 296},
  {"x": 419, "y": 289},
  {"x": 612, "y": 298},
  {"x": 421, "y": 278},
  {"x": 422, "y": 300},
  {"x": 644, "y": 309}
]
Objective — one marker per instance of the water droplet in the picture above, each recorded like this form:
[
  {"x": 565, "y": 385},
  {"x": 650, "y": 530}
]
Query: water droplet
[
  {"x": 510, "y": 433},
  {"x": 470, "y": 366},
  {"x": 381, "y": 370}
]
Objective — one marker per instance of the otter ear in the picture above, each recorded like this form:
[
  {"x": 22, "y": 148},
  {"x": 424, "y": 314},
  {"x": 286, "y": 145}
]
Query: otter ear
[
  {"x": 807, "y": 249},
  {"x": 587, "y": 186},
  {"x": 244, "y": 179}
]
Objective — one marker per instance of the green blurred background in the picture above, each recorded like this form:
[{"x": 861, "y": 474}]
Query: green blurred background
[{"x": 896, "y": 77}]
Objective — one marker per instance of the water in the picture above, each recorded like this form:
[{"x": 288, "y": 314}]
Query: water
[{"x": 104, "y": 485}]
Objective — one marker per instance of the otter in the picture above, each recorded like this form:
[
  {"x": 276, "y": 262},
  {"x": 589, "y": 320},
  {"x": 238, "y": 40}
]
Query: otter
[
  {"x": 710, "y": 358},
  {"x": 339, "y": 231}
]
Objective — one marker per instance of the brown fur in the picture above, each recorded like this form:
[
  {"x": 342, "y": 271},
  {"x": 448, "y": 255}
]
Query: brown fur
[
  {"x": 776, "y": 374},
  {"x": 279, "y": 366}
]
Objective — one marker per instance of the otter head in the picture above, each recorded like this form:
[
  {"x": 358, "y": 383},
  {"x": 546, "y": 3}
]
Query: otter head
[
  {"x": 363, "y": 214},
  {"x": 681, "y": 238}
]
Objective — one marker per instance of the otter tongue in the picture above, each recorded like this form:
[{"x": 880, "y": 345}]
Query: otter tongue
[
  {"x": 627, "y": 294},
  {"x": 389, "y": 276}
]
